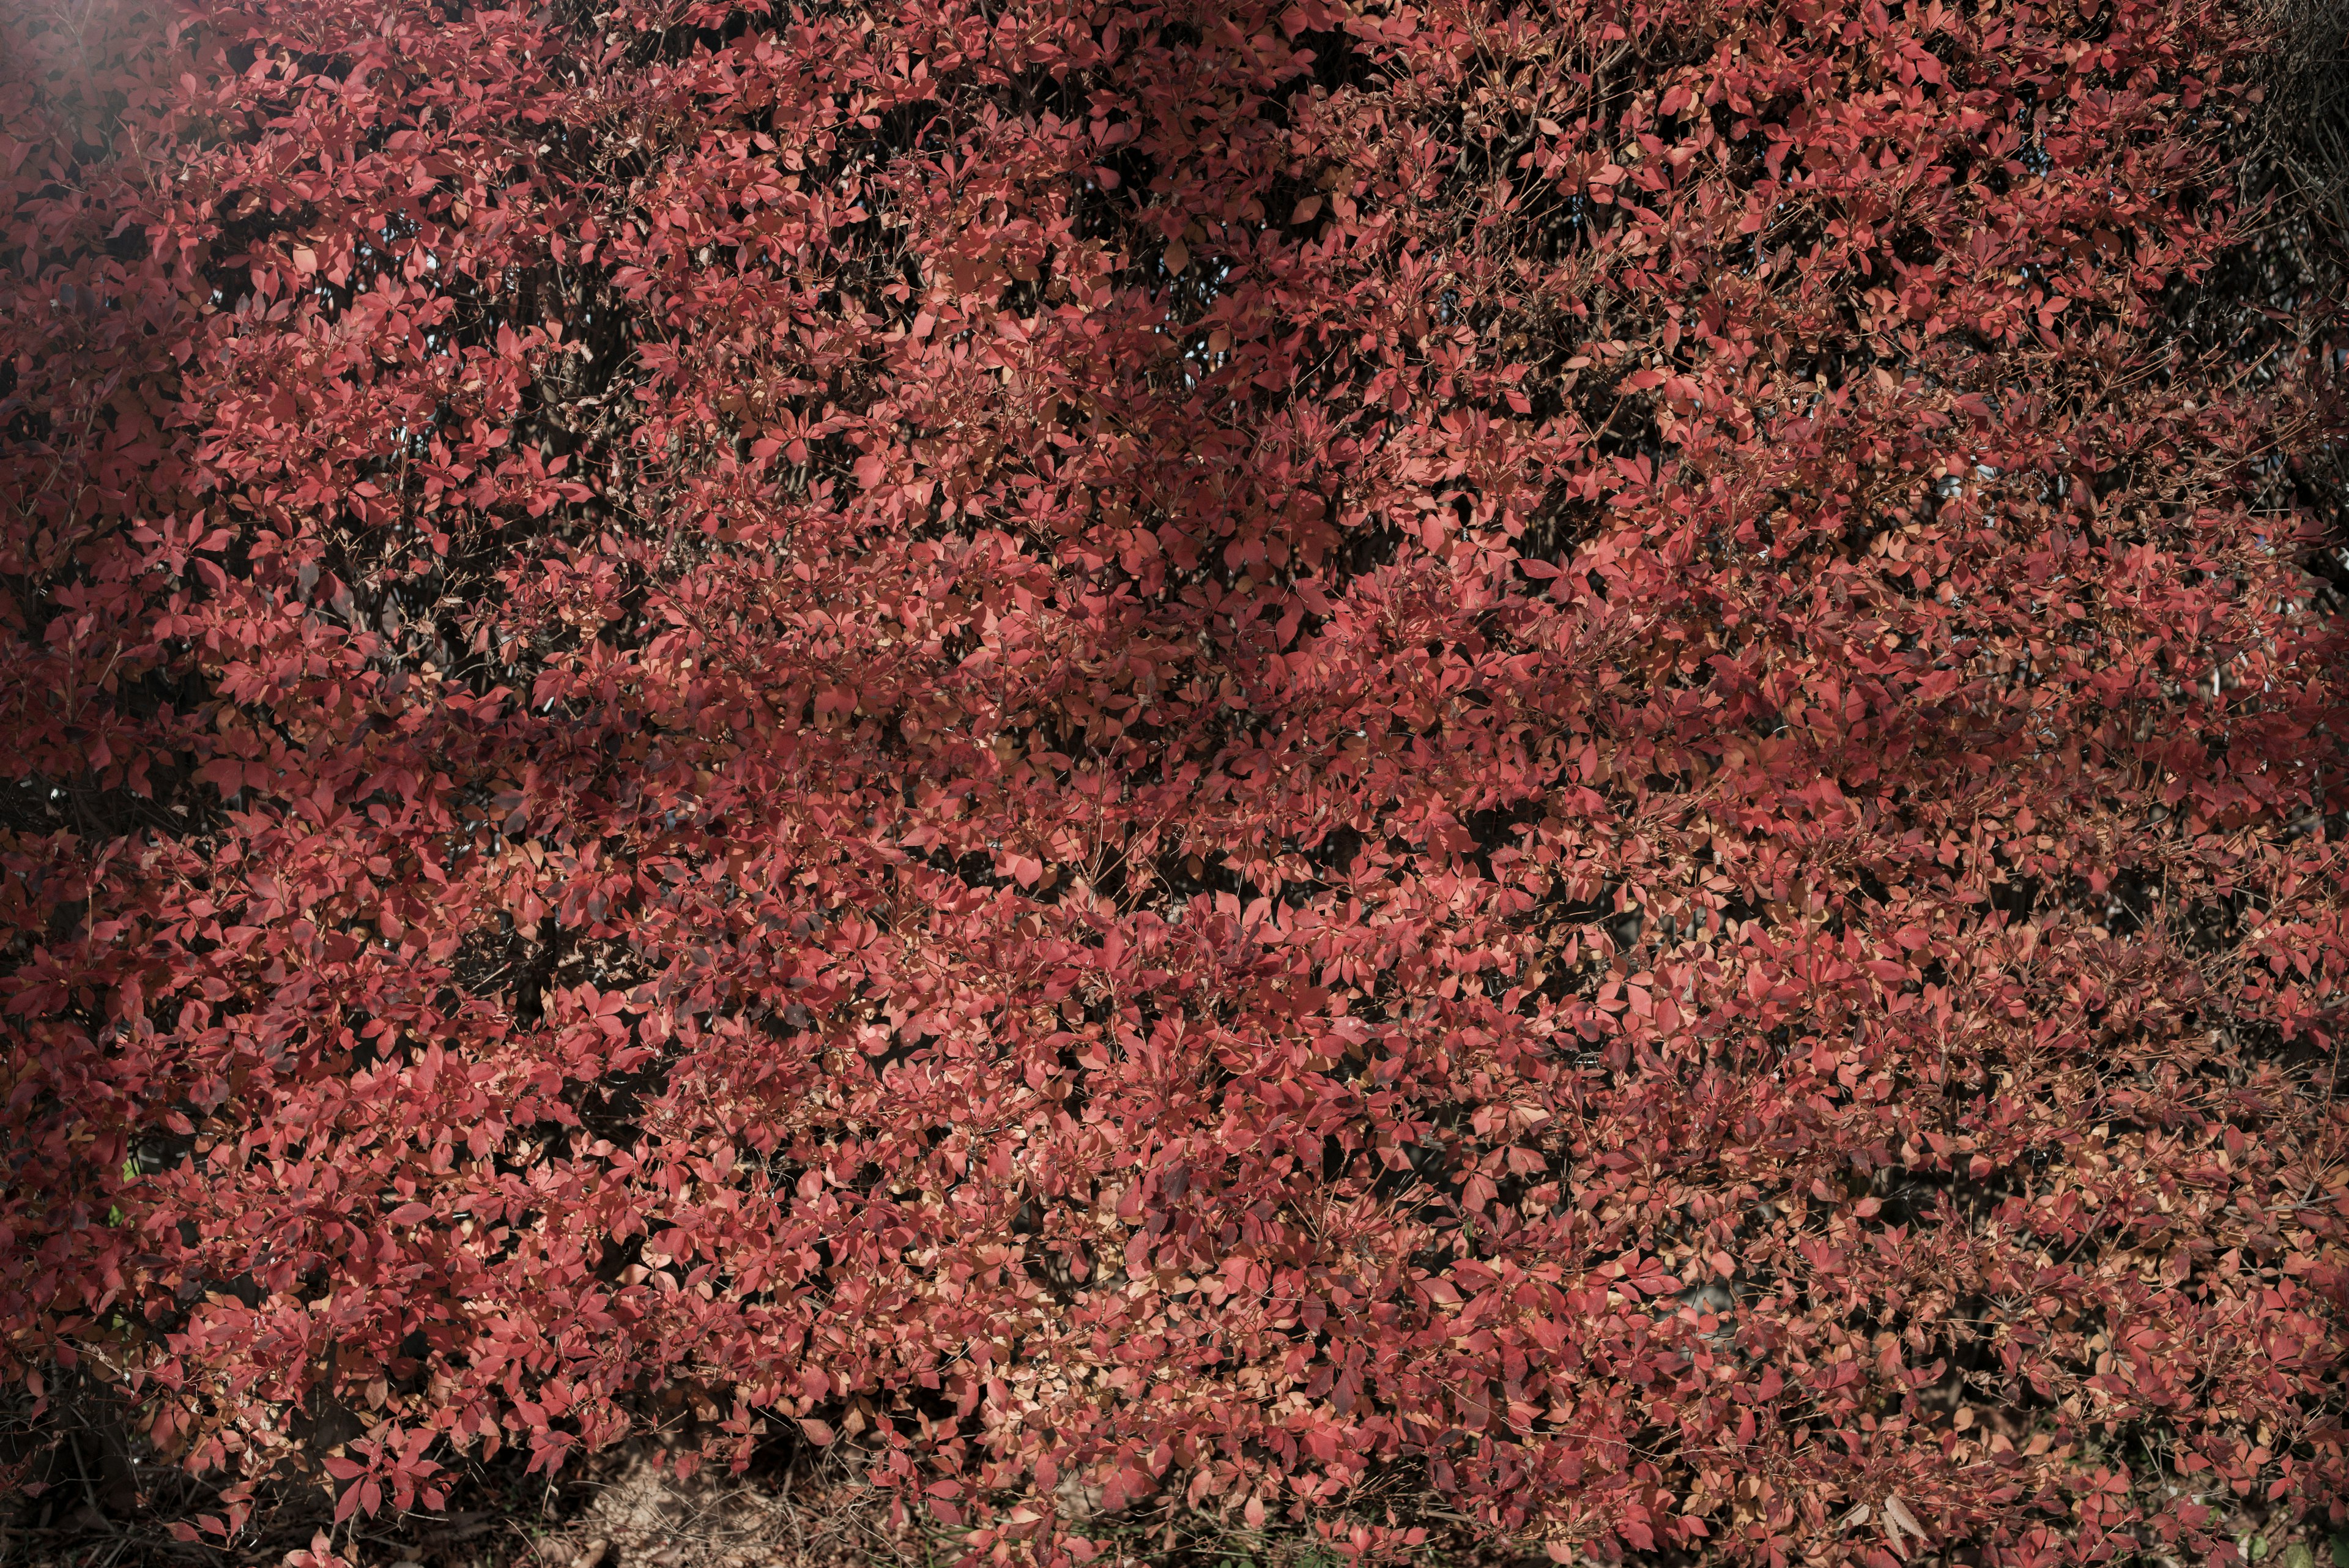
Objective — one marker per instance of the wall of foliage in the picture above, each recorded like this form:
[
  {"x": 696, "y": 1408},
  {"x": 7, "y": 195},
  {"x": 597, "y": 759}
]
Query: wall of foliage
[{"x": 1572, "y": 770}]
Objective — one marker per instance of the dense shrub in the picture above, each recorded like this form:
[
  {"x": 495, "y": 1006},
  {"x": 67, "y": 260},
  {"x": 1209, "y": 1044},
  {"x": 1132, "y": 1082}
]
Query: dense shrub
[{"x": 1563, "y": 770}]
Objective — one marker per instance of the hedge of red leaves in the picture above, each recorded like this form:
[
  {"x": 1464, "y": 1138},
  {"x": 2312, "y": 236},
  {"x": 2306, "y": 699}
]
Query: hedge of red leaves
[{"x": 1355, "y": 762}]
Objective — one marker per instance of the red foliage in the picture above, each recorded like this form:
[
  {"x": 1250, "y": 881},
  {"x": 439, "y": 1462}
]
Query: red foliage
[{"x": 1342, "y": 761}]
